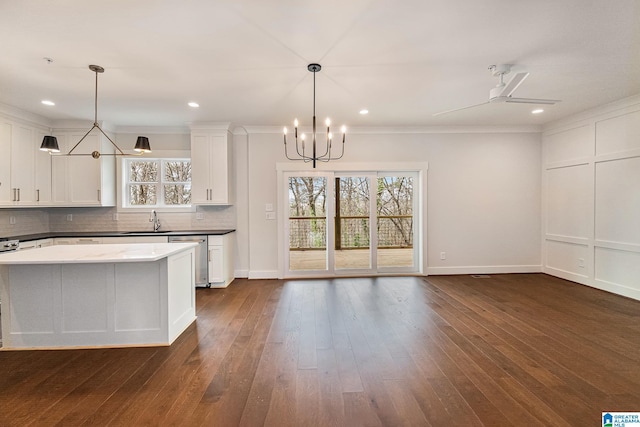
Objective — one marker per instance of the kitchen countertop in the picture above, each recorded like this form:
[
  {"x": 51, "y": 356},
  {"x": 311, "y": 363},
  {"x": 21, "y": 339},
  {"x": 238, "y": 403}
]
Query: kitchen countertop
[
  {"x": 95, "y": 254},
  {"x": 63, "y": 234}
]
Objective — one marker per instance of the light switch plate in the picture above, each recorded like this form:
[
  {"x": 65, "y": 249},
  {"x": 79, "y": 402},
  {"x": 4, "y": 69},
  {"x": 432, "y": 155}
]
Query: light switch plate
[
  {"x": 271, "y": 215},
  {"x": 268, "y": 207},
  {"x": 199, "y": 215}
]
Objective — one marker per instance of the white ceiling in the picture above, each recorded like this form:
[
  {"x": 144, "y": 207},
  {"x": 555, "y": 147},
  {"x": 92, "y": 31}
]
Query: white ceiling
[{"x": 245, "y": 61}]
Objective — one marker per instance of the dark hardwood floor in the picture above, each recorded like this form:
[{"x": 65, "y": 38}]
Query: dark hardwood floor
[{"x": 521, "y": 350}]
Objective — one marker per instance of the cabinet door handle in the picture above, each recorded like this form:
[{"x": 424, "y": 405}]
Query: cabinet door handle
[
  {"x": 209, "y": 257},
  {"x": 14, "y": 195},
  {"x": 99, "y": 195},
  {"x": 18, "y": 194},
  {"x": 37, "y": 195}
]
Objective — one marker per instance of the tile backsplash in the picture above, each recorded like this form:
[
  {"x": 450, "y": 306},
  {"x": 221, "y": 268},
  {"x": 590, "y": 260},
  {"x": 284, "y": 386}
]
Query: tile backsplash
[
  {"x": 15, "y": 222},
  {"x": 31, "y": 221}
]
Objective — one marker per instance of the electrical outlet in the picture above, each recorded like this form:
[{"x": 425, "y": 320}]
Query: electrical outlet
[
  {"x": 12, "y": 220},
  {"x": 271, "y": 215},
  {"x": 581, "y": 262},
  {"x": 69, "y": 217},
  {"x": 115, "y": 216},
  {"x": 443, "y": 255},
  {"x": 268, "y": 207},
  {"x": 199, "y": 215}
]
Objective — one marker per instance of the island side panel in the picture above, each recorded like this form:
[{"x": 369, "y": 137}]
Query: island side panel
[
  {"x": 140, "y": 303},
  {"x": 181, "y": 292},
  {"x": 29, "y": 300}
]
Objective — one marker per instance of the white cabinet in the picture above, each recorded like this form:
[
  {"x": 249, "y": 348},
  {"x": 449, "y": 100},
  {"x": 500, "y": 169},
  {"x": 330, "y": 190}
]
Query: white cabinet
[
  {"x": 83, "y": 180},
  {"x": 27, "y": 245},
  {"x": 6, "y": 193},
  {"x": 25, "y": 175},
  {"x": 135, "y": 239},
  {"x": 77, "y": 241},
  {"x": 220, "y": 259},
  {"x": 33, "y": 244},
  {"x": 44, "y": 243},
  {"x": 211, "y": 167}
]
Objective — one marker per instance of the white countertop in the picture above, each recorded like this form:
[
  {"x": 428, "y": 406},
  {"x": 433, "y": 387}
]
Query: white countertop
[{"x": 85, "y": 254}]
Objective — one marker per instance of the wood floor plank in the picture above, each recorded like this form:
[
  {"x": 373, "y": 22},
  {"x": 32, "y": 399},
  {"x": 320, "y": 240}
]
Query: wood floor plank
[{"x": 512, "y": 349}]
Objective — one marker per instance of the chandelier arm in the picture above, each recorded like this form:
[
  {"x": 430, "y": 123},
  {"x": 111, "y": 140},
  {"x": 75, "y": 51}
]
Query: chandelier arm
[
  {"x": 111, "y": 141},
  {"x": 82, "y": 139},
  {"x": 341, "y": 153},
  {"x": 286, "y": 152},
  {"x": 328, "y": 147},
  {"x": 300, "y": 156}
]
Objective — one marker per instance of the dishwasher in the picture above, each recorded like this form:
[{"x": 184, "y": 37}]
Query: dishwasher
[{"x": 202, "y": 277}]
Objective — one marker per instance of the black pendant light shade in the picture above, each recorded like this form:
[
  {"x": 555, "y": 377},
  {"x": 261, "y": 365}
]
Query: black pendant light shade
[
  {"x": 50, "y": 144},
  {"x": 142, "y": 145}
]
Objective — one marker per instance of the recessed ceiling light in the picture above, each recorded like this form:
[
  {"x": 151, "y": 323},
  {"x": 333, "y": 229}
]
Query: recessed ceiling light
[
  {"x": 537, "y": 111},
  {"x": 193, "y": 105},
  {"x": 364, "y": 111},
  {"x": 47, "y": 102}
]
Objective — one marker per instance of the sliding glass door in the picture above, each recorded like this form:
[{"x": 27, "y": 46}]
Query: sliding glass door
[{"x": 350, "y": 223}]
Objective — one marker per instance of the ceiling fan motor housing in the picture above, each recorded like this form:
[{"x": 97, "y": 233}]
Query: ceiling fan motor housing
[{"x": 495, "y": 94}]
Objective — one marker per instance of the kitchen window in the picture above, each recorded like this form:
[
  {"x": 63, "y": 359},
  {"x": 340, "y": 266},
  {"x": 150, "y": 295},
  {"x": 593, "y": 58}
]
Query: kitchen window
[{"x": 156, "y": 183}]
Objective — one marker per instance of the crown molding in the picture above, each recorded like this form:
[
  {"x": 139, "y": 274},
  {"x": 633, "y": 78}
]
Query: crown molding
[
  {"x": 408, "y": 129},
  {"x": 216, "y": 126},
  {"x": 630, "y": 103},
  {"x": 25, "y": 117},
  {"x": 153, "y": 130}
]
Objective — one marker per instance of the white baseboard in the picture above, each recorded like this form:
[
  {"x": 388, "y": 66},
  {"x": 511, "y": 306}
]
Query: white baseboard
[
  {"x": 603, "y": 285},
  {"x": 484, "y": 269},
  {"x": 241, "y": 274},
  {"x": 264, "y": 274}
]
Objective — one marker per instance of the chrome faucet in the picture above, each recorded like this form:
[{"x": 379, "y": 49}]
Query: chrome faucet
[{"x": 154, "y": 218}]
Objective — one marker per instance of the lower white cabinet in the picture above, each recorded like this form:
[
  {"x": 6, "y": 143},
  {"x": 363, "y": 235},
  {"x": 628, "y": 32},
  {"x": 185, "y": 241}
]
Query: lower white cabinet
[
  {"x": 33, "y": 244},
  {"x": 77, "y": 241},
  {"x": 135, "y": 239},
  {"x": 220, "y": 259}
]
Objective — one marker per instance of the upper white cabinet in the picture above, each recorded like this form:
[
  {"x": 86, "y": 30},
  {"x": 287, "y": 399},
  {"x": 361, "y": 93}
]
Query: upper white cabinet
[
  {"x": 83, "y": 180},
  {"x": 25, "y": 171},
  {"x": 211, "y": 166},
  {"x": 6, "y": 191}
]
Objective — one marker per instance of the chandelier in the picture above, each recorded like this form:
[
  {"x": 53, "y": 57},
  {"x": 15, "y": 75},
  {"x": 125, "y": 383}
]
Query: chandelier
[
  {"x": 50, "y": 143},
  {"x": 301, "y": 150}
]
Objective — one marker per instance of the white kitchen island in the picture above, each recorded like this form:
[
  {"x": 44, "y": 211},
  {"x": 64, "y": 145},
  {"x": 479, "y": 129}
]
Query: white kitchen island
[{"x": 113, "y": 295}]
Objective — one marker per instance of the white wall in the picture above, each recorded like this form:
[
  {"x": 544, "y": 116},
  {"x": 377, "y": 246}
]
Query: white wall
[
  {"x": 483, "y": 195},
  {"x": 591, "y": 198}
]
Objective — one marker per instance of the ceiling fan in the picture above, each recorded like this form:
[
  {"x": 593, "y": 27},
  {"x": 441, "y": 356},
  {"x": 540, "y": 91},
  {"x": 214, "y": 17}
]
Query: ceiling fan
[{"x": 503, "y": 91}]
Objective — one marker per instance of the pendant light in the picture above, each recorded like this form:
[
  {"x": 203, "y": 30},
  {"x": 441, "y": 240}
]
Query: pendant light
[
  {"x": 300, "y": 149},
  {"x": 50, "y": 143}
]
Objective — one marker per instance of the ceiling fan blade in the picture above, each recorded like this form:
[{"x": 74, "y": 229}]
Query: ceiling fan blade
[
  {"x": 513, "y": 84},
  {"x": 532, "y": 101},
  {"x": 459, "y": 109}
]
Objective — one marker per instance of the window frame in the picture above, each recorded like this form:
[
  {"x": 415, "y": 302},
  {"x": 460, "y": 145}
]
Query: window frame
[{"x": 124, "y": 184}]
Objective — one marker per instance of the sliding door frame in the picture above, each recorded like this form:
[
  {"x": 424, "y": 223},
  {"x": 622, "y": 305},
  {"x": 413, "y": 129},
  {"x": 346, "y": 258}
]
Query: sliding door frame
[{"x": 285, "y": 170}]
